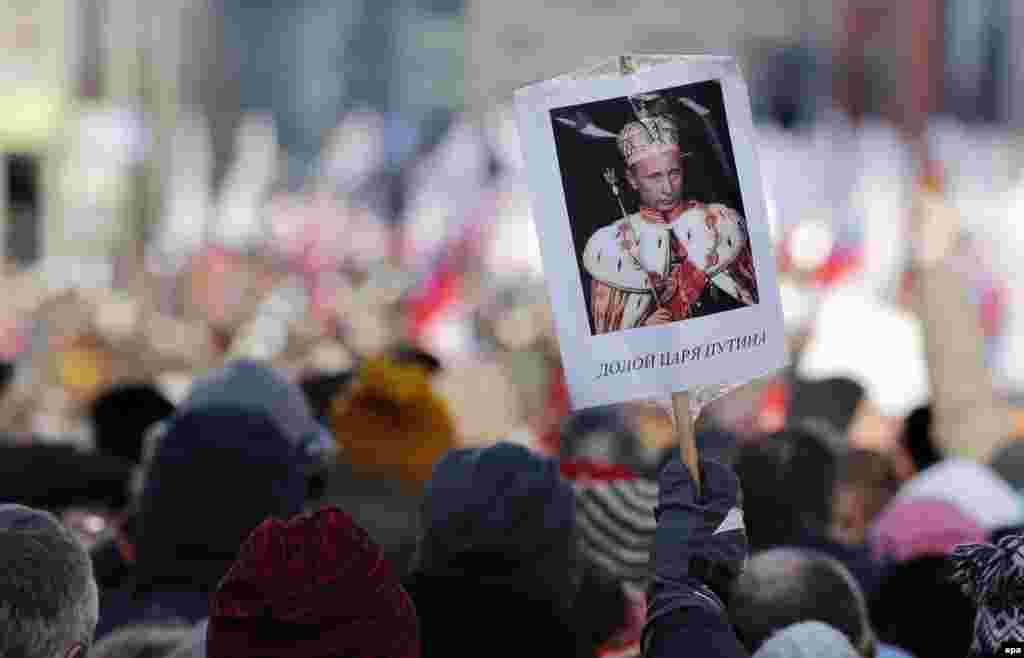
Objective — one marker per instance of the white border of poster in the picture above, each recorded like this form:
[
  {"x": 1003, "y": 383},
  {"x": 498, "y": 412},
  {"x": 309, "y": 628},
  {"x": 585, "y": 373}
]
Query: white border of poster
[{"x": 727, "y": 348}]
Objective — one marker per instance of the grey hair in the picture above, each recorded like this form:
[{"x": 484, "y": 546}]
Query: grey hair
[
  {"x": 195, "y": 646},
  {"x": 49, "y": 599},
  {"x": 187, "y": 650},
  {"x": 783, "y": 586},
  {"x": 142, "y": 641}
]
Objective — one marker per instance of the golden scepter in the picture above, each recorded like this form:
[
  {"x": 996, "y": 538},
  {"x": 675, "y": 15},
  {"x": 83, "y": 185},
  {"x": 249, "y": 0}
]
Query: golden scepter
[{"x": 612, "y": 179}]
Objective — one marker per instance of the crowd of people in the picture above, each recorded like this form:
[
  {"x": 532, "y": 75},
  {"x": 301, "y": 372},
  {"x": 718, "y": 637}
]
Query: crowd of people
[{"x": 303, "y": 465}]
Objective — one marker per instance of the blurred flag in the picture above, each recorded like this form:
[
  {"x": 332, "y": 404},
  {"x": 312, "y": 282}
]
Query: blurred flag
[
  {"x": 355, "y": 151},
  {"x": 451, "y": 202},
  {"x": 444, "y": 189},
  {"x": 239, "y": 219}
]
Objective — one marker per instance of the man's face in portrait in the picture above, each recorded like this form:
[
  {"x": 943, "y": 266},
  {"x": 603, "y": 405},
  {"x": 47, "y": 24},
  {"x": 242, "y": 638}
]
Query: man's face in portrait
[{"x": 658, "y": 179}]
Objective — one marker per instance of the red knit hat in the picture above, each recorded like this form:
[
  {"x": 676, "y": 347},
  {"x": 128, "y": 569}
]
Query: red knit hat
[{"x": 315, "y": 586}]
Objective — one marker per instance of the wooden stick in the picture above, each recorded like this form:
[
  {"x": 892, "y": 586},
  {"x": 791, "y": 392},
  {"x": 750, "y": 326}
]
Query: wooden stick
[{"x": 686, "y": 435}]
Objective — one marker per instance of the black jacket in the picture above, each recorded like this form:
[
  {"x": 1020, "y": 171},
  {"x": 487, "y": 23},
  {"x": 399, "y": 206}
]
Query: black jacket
[{"x": 462, "y": 614}]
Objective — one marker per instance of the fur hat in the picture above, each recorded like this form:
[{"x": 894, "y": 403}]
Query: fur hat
[{"x": 390, "y": 422}]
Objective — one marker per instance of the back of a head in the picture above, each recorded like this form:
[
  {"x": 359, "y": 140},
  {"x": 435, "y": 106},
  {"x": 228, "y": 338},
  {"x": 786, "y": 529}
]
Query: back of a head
[
  {"x": 49, "y": 601},
  {"x": 142, "y": 641},
  {"x": 186, "y": 650},
  {"x": 255, "y": 385},
  {"x": 502, "y": 509},
  {"x": 866, "y": 483},
  {"x": 898, "y": 614},
  {"x": 770, "y": 516},
  {"x": 807, "y": 639},
  {"x": 495, "y": 499},
  {"x": 603, "y": 434},
  {"x": 215, "y": 474},
  {"x": 122, "y": 416},
  {"x": 6, "y": 375},
  {"x": 917, "y": 438},
  {"x": 195, "y": 645},
  {"x": 55, "y": 476},
  {"x": 811, "y": 462},
  {"x": 872, "y": 472},
  {"x": 1008, "y": 463},
  {"x": 784, "y": 586},
  {"x": 834, "y": 400},
  {"x": 321, "y": 388},
  {"x": 787, "y": 481}
]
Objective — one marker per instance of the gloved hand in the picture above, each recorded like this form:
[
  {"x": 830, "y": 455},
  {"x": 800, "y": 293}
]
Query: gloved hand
[{"x": 700, "y": 544}]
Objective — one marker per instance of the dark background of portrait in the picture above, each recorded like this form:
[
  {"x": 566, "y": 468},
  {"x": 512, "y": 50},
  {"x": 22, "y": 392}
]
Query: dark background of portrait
[{"x": 583, "y": 159}]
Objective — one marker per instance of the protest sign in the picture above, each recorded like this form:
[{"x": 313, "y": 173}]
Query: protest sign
[{"x": 649, "y": 209}]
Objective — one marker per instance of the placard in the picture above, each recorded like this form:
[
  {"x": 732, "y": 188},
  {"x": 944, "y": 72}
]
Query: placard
[{"x": 651, "y": 218}]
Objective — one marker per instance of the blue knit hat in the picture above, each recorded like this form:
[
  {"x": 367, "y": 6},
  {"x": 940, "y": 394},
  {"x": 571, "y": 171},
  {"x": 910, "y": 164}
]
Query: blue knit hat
[
  {"x": 255, "y": 385},
  {"x": 502, "y": 500},
  {"x": 216, "y": 473}
]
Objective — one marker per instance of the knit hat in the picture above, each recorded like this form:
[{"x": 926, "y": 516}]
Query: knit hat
[
  {"x": 615, "y": 516},
  {"x": 315, "y": 586},
  {"x": 973, "y": 487},
  {"x": 993, "y": 577},
  {"x": 391, "y": 423},
  {"x": 252, "y": 384},
  {"x": 216, "y": 473},
  {"x": 807, "y": 639},
  {"x": 502, "y": 505},
  {"x": 909, "y": 528},
  {"x": 1008, "y": 463}
]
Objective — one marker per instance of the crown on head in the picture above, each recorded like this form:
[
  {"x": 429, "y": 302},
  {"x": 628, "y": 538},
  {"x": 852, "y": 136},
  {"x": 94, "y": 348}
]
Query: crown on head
[{"x": 646, "y": 136}]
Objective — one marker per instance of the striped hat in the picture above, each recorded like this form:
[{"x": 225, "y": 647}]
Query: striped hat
[
  {"x": 615, "y": 515},
  {"x": 992, "y": 576}
]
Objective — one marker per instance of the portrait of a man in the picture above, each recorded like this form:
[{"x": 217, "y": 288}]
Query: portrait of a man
[{"x": 682, "y": 249}]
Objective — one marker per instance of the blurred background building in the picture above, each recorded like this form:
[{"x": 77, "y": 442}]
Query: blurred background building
[{"x": 139, "y": 132}]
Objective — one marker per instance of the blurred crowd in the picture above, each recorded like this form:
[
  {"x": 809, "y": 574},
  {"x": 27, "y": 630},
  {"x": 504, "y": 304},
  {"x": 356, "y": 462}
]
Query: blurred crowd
[{"x": 340, "y": 428}]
